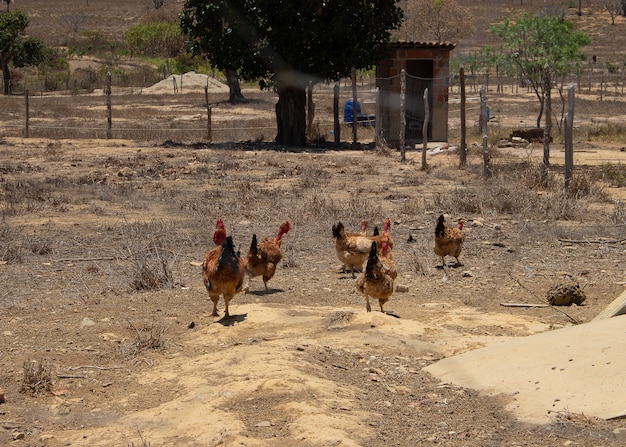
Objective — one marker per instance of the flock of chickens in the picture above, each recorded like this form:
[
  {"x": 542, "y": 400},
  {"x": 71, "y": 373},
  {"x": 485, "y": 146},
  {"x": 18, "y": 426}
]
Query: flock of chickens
[{"x": 224, "y": 270}]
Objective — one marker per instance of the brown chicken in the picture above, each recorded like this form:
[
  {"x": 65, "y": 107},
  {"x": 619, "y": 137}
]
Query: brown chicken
[
  {"x": 448, "y": 240},
  {"x": 220, "y": 232},
  {"x": 352, "y": 251},
  {"x": 262, "y": 258},
  {"x": 377, "y": 236},
  {"x": 363, "y": 231},
  {"x": 379, "y": 275},
  {"x": 386, "y": 258},
  {"x": 222, "y": 271}
]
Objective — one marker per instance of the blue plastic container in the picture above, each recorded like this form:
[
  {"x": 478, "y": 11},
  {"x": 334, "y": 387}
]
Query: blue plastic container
[{"x": 348, "y": 110}]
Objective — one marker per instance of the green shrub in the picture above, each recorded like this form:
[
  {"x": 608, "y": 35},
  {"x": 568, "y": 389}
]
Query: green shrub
[
  {"x": 95, "y": 42},
  {"x": 155, "y": 39},
  {"x": 184, "y": 63}
]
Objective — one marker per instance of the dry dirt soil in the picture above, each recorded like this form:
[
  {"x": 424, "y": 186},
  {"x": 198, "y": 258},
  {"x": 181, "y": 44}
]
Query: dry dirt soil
[
  {"x": 91, "y": 354},
  {"x": 106, "y": 333}
]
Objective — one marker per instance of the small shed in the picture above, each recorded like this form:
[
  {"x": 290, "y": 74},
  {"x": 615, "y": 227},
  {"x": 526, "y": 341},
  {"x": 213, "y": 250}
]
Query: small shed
[{"x": 426, "y": 65}]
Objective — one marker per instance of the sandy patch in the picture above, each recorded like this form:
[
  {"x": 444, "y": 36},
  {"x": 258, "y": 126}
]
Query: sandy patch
[{"x": 186, "y": 83}]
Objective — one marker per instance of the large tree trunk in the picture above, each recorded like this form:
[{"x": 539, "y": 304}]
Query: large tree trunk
[
  {"x": 291, "y": 116},
  {"x": 6, "y": 75},
  {"x": 232, "y": 79}
]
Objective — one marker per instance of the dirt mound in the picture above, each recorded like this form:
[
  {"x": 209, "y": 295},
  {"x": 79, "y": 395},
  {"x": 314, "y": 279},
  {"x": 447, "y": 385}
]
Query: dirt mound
[{"x": 186, "y": 83}]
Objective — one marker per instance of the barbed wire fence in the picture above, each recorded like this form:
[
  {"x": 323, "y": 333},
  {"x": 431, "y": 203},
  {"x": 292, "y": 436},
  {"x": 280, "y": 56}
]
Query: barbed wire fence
[{"x": 153, "y": 118}]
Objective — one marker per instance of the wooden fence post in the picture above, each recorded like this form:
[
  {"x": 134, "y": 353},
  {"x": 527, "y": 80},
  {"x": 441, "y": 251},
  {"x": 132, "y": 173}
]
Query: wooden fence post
[
  {"x": 209, "y": 125},
  {"x": 569, "y": 132},
  {"x": 602, "y": 87},
  {"x": 548, "y": 113},
  {"x": 107, "y": 91},
  {"x": 310, "y": 111},
  {"x": 425, "y": 130},
  {"x": 483, "y": 123},
  {"x": 402, "y": 115},
  {"x": 463, "y": 146},
  {"x": 336, "y": 126},
  {"x": 377, "y": 119},
  {"x": 27, "y": 117}
]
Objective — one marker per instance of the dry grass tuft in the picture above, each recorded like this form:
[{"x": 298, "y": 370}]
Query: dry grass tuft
[
  {"x": 619, "y": 213},
  {"x": 37, "y": 377},
  {"x": 414, "y": 262},
  {"x": 567, "y": 417},
  {"x": 613, "y": 174},
  {"x": 146, "y": 336},
  {"x": 148, "y": 248},
  {"x": 524, "y": 188},
  {"x": 10, "y": 248}
]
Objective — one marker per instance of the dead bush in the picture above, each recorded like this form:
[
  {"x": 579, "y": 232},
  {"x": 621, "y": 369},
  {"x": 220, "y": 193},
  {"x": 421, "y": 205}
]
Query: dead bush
[
  {"x": 613, "y": 174},
  {"x": 152, "y": 260},
  {"x": 414, "y": 262},
  {"x": 53, "y": 151},
  {"x": 586, "y": 185},
  {"x": 37, "y": 377},
  {"x": 145, "y": 336},
  {"x": 39, "y": 245},
  {"x": 10, "y": 247},
  {"x": 619, "y": 213}
]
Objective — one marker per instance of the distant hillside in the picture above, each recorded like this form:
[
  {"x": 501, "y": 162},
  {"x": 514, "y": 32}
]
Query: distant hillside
[{"x": 60, "y": 21}]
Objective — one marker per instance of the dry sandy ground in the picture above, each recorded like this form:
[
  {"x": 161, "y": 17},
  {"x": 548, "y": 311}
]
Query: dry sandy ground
[{"x": 300, "y": 365}]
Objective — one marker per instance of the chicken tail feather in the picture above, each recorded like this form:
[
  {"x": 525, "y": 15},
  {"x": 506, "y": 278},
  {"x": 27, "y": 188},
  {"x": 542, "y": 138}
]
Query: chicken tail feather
[
  {"x": 228, "y": 256},
  {"x": 441, "y": 228},
  {"x": 253, "y": 246},
  {"x": 338, "y": 230},
  {"x": 372, "y": 263}
]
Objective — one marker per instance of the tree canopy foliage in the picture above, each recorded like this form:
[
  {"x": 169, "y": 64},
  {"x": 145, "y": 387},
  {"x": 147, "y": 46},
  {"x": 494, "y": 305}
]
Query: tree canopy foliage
[
  {"x": 14, "y": 47},
  {"x": 292, "y": 43},
  {"x": 530, "y": 43}
]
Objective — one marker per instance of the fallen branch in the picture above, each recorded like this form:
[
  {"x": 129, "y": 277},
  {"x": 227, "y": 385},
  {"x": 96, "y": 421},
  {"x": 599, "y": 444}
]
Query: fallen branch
[
  {"x": 568, "y": 316},
  {"x": 9, "y": 425},
  {"x": 74, "y": 368},
  {"x": 103, "y": 258},
  {"x": 523, "y": 305},
  {"x": 576, "y": 241}
]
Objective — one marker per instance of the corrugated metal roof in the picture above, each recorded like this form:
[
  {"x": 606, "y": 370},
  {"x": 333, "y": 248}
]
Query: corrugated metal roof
[{"x": 412, "y": 45}]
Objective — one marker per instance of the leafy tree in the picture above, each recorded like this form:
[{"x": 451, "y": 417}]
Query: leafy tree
[
  {"x": 292, "y": 43},
  {"x": 529, "y": 43},
  {"x": 217, "y": 31},
  {"x": 443, "y": 20},
  {"x": 16, "y": 49}
]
